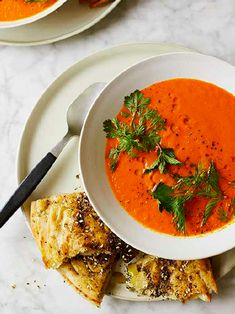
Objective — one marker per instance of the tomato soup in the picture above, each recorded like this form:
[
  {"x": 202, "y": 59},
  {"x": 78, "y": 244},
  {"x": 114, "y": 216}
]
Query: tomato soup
[
  {"x": 199, "y": 127},
  {"x": 11, "y": 10}
]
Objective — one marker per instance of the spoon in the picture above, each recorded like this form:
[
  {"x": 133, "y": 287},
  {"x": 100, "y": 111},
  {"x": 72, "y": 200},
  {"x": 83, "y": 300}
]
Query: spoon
[{"x": 76, "y": 115}]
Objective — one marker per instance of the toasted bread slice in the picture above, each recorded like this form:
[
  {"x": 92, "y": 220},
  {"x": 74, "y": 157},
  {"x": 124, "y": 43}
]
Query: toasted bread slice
[
  {"x": 89, "y": 275},
  {"x": 167, "y": 279},
  {"x": 65, "y": 226},
  {"x": 73, "y": 240}
]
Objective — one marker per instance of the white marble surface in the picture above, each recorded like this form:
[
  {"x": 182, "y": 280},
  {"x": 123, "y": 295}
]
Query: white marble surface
[{"x": 204, "y": 25}]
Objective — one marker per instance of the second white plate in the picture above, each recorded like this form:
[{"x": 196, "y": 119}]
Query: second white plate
[{"x": 70, "y": 19}]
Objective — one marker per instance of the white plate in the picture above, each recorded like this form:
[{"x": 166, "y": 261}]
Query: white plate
[
  {"x": 33, "y": 18},
  {"x": 48, "y": 118},
  {"x": 71, "y": 19}
]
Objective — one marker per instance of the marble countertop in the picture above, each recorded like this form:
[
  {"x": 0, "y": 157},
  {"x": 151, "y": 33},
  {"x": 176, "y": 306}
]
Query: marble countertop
[{"x": 204, "y": 25}]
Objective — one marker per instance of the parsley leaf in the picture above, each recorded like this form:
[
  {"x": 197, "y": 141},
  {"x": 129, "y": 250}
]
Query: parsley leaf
[
  {"x": 166, "y": 156},
  {"x": 113, "y": 157},
  {"x": 223, "y": 215},
  {"x": 138, "y": 134},
  {"x": 191, "y": 182},
  {"x": 210, "y": 205},
  {"x": 202, "y": 184},
  {"x": 171, "y": 203},
  {"x": 125, "y": 114},
  {"x": 232, "y": 204},
  {"x": 213, "y": 177},
  {"x": 211, "y": 190},
  {"x": 136, "y": 102}
]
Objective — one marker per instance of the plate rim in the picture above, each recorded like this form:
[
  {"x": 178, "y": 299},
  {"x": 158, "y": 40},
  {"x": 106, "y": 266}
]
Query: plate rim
[{"x": 96, "y": 20}]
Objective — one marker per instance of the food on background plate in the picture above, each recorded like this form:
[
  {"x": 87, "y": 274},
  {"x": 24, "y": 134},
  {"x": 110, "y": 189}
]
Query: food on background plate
[
  {"x": 96, "y": 3},
  {"x": 74, "y": 241},
  {"x": 19, "y": 9},
  {"x": 171, "y": 145}
]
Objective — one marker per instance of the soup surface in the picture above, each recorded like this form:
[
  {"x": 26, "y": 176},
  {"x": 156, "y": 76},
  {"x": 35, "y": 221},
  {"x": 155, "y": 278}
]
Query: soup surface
[
  {"x": 185, "y": 185},
  {"x": 11, "y": 10}
]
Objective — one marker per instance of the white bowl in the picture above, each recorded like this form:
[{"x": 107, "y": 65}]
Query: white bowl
[
  {"x": 92, "y": 147},
  {"x": 33, "y": 18}
]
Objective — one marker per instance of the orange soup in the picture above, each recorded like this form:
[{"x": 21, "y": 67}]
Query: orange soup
[
  {"x": 170, "y": 156},
  {"x": 11, "y": 10}
]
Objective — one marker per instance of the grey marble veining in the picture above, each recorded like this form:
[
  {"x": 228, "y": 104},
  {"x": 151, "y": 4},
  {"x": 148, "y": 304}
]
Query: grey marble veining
[{"x": 204, "y": 25}]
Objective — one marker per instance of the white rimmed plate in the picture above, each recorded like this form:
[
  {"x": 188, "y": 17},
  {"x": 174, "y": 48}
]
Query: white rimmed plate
[
  {"x": 55, "y": 101},
  {"x": 71, "y": 19}
]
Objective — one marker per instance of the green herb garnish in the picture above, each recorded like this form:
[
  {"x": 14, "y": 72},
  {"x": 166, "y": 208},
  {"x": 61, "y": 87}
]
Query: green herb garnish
[
  {"x": 223, "y": 215},
  {"x": 204, "y": 183},
  {"x": 211, "y": 190},
  {"x": 232, "y": 204},
  {"x": 226, "y": 216},
  {"x": 209, "y": 207},
  {"x": 139, "y": 133},
  {"x": 166, "y": 156},
  {"x": 174, "y": 205}
]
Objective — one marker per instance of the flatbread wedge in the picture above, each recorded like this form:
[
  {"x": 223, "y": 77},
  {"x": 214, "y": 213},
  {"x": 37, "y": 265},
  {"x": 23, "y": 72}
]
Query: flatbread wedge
[
  {"x": 74, "y": 241},
  {"x": 89, "y": 275},
  {"x": 168, "y": 279},
  {"x": 65, "y": 226}
]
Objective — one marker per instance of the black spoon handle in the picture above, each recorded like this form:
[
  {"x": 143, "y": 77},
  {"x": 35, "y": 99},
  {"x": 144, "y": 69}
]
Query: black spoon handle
[{"x": 26, "y": 187}]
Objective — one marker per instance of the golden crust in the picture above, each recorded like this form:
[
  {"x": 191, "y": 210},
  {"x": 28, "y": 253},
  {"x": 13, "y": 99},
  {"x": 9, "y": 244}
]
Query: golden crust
[
  {"x": 167, "y": 279},
  {"x": 89, "y": 276},
  {"x": 65, "y": 226},
  {"x": 73, "y": 240}
]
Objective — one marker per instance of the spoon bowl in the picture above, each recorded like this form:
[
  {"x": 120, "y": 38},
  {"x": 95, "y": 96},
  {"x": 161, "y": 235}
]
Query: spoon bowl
[{"x": 79, "y": 109}]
